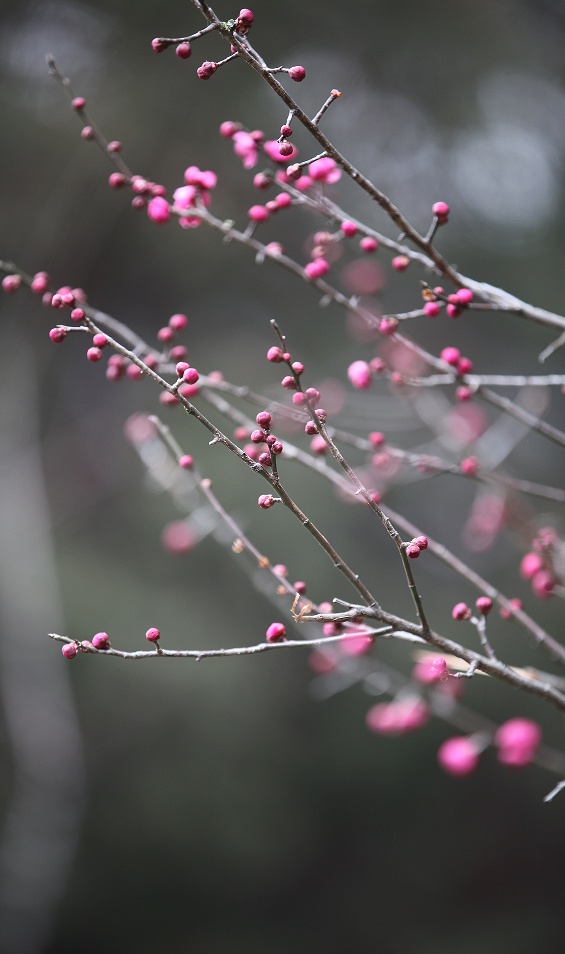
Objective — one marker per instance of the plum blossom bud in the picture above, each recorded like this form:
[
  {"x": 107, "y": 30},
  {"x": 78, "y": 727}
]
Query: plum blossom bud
[
  {"x": 207, "y": 70},
  {"x": 159, "y": 210},
  {"x": 275, "y": 633},
  {"x": 458, "y": 756},
  {"x": 359, "y": 373},
  {"x": 461, "y": 611}
]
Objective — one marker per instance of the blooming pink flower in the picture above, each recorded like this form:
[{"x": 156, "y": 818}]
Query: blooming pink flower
[
  {"x": 245, "y": 146},
  {"x": 324, "y": 170}
]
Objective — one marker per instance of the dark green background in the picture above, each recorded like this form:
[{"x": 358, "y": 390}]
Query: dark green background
[{"x": 223, "y": 807}]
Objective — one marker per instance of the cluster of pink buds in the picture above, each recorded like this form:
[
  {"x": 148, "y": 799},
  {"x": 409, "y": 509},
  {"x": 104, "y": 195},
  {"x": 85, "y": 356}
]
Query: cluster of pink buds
[
  {"x": 195, "y": 192},
  {"x": 415, "y": 547},
  {"x": 459, "y": 362},
  {"x": 144, "y": 191},
  {"x": 99, "y": 642},
  {"x": 67, "y": 297},
  {"x": 517, "y": 741},
  {"x": 263, "y": 435},
  {"x": 455, "y": 303},
  {"x": 461, "y": 611},
  {"x": 538, "y": 566},
  {"x": 240, "y": 26}
]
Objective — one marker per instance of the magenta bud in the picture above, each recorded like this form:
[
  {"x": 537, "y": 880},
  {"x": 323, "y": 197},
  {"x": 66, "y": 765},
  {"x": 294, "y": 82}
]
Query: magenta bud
[
  {"x": 461, "y": 611},
  {"x": 275, "y": 633},
  {"x": 264, "y": 420}
]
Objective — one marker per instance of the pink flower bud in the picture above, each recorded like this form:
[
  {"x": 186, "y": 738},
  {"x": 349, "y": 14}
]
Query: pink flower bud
[
  {"x": 464, "y": 296},
  {"x": 400, "y": 263},
  {"x": 450, "y": 356},
  {"x": 368, "y": 244},
  {"x": 101, "y": 641},
  {"x": 530, "y": 564},
  {"x": 265, "y": 501},
  {"x": 258, "y": 213},
  {"x": 11, "y": 283},
  {"x": 316, "y": 269},
  {"x": 484, "y": 604},
  {"x": 159, "y": 210},
  {"x": 387, "y": 326},
  {"x": 264, "y": 420},
  {"x": 458, "y": 756},
  {"x": 461, "y": 611},
  {"x": 348, "y": 228},
  {"x": 517, "y": 741},
  {"x": 207, "y": 70},
  {"x": 441, "y": 209},
  {"x": 469, "y": 466},
  {"x": 286, "y": 148},
  {"x": 183, "y": 50},
  {"x": 297, "y": 73},
  {"x": 359, "y": 373},
  {"x": 543, "y": 583},
  {"x": 228, "y": 129},
  {"x": 40, "y": 283},
  {"x": 191, "y": 376},
  {"x": 275, "y": 633}
]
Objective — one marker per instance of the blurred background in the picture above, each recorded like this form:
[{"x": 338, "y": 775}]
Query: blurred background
[{"x": 241, "y": 805}]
